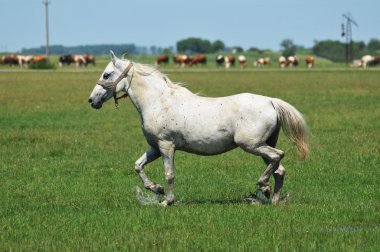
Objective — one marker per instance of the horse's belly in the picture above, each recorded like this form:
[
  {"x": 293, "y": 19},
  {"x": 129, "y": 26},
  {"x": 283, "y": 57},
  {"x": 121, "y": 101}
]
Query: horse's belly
[{"x": 208, "y": 145}]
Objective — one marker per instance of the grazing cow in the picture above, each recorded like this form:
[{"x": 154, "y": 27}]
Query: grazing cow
[
  {"x": 79, "y": 60},
  {"x": 292, "y": 61},
  {"x": 374, "y": 62},
  {"x": 39, "y": 58},
  {"x": 65, "y": 60},
  {"x": 309, "y": 61},
  {"x": 229, "y": 61},
  {"x": 162, "y": 59},
  {"x": 219, "y": 60},
  {"x": 181, "y": 60},
  {"x": 198, "y": 59},
  {"x": 24, "y": 60},
  {"x": 282, "y": 61},
  {"x": 10, "y": 60},
  {"x": 242, "y": 60},
  {"x": 90, "y": 59},
  {"x": 261, "y": 62},
  {"x": 366, "y": 59}
]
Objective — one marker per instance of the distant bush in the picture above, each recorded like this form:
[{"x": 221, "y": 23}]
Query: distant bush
[
  {"x": 198, "y": 45},
  {"x": 42, "y": 65}
]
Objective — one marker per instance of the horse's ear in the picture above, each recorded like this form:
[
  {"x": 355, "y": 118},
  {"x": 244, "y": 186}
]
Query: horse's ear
[{"x": 113, "y": 57}]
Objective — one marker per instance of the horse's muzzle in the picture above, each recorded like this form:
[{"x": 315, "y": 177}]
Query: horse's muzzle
[{"x": 97, "y": 105}]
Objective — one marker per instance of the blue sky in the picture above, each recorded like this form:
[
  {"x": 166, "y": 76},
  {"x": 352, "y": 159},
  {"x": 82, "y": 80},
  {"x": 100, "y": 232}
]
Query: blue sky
[{"x": 246, "y": 23}]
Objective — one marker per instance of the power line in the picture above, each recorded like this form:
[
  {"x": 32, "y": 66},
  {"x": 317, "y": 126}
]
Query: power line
[
  {"x": 348, "y": 34},
  {"x": 46, "y": 3}
]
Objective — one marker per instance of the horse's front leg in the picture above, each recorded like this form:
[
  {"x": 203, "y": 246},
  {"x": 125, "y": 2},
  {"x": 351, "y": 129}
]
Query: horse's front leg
[
  {"x": 167, "y": 150},
  {"x": 149, "y": 156}
]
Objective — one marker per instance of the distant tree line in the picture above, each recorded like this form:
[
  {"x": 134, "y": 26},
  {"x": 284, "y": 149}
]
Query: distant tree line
[
  {"x": 333, "y": 50},
  {"x": 97, "y": 49},
  {"x": 336, "y": 50}
]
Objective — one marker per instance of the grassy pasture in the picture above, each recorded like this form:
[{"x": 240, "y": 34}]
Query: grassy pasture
[{"x": 67, "y": 171}]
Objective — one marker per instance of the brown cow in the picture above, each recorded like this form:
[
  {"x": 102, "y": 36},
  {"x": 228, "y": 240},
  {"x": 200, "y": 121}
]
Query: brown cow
[
  {"x": 90, "y": 59},
  {"x": 262, "y": 61},
  {"x": 229, "y": 61},
  {"x": 39, "y": 58},
  {"x": 10, "y": 60},
  {"x": 181, "y": 60},
  {"x": 199, "y": 59},
  {"x": 309, "y": 61},
  {"x": 162, "y": 59}
]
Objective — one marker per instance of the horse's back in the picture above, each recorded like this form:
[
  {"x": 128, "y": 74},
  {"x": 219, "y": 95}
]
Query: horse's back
[{"x": 208, "y": 126}]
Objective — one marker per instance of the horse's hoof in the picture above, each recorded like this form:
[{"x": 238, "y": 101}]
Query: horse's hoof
[
  {"x": 160, "y": 190},
  {"x": 166, "y": 203},
  {"x": 283, "y": 200}
]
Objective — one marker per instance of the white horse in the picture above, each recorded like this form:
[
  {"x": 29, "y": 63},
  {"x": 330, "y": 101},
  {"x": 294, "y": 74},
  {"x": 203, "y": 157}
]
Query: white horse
[{"x": 173, "y": 118}]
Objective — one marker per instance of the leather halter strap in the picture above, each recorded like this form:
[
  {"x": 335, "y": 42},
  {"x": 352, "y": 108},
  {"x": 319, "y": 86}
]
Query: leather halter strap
[{"x": 112, "y": 84}]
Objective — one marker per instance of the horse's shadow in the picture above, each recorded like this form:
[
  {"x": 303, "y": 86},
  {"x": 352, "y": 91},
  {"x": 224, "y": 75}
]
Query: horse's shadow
[
  {"x": 214, "y": 201},
  {"x": 256, "y": 198}
]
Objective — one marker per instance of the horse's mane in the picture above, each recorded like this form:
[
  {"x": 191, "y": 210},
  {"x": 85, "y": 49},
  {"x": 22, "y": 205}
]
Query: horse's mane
[{"x": 146, "y": 70}]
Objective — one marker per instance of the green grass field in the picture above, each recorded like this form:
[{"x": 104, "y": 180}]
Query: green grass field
[{"x": 67, "y": 171}]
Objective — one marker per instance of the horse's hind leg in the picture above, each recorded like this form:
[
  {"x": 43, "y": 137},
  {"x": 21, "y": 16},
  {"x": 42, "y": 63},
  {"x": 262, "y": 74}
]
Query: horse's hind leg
[
  {"x": 149, "y": 156},
  {"x": 272, "y": 157},
  {"x": 279, "y": 174}
]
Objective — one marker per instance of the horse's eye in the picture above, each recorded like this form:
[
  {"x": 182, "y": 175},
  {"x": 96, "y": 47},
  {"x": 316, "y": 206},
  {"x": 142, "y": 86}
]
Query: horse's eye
[{"x": 106, "y": 76}]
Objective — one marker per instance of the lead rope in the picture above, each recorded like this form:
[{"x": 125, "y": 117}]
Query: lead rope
[{"x": 125, "y": 95}]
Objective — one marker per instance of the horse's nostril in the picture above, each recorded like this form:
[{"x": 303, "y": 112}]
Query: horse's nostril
[{"x": 90, "y": 100}]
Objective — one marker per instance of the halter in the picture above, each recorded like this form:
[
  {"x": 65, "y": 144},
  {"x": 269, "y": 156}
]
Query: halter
[{"x": 112, "y": 85}]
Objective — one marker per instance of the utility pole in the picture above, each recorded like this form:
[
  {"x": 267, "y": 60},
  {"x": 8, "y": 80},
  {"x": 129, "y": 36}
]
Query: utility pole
[
  {"x": 348, "y": 34},
  {"x": 46, "y": 3}
]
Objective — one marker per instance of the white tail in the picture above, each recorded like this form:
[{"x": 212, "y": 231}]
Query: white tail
[{"x": 293, "y": 124}]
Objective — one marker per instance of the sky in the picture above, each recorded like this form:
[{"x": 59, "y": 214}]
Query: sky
[{"x": 246, "y": 23}]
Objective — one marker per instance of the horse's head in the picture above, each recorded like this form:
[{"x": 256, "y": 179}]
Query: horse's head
[{"x": 112, "y": 81}]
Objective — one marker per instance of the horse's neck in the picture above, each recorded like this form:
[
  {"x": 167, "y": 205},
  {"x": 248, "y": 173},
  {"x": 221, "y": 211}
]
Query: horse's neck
[{"x": 145, "y": 91}]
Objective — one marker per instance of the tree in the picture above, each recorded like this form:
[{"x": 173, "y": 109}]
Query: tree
[
  {"x": 217, "y": 46},
  {"x": 194, "y": 45},
  {"x": 288, "y": 47},
  {"x": 336, "y": 51},
  {"x": 373, "y": 45},
  {"x": 255, "y": 49},
  {"x": 238, "y": 49},
  {"x": 330, "y": 49}
]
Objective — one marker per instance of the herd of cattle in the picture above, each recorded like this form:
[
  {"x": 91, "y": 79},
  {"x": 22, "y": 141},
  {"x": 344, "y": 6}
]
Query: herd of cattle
[
  {"x": 64, "y": 60},
  {"x": 21, "y": 60},
  {"x": 230, "y": 60},
  {"x": 183, "y": 60}
]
